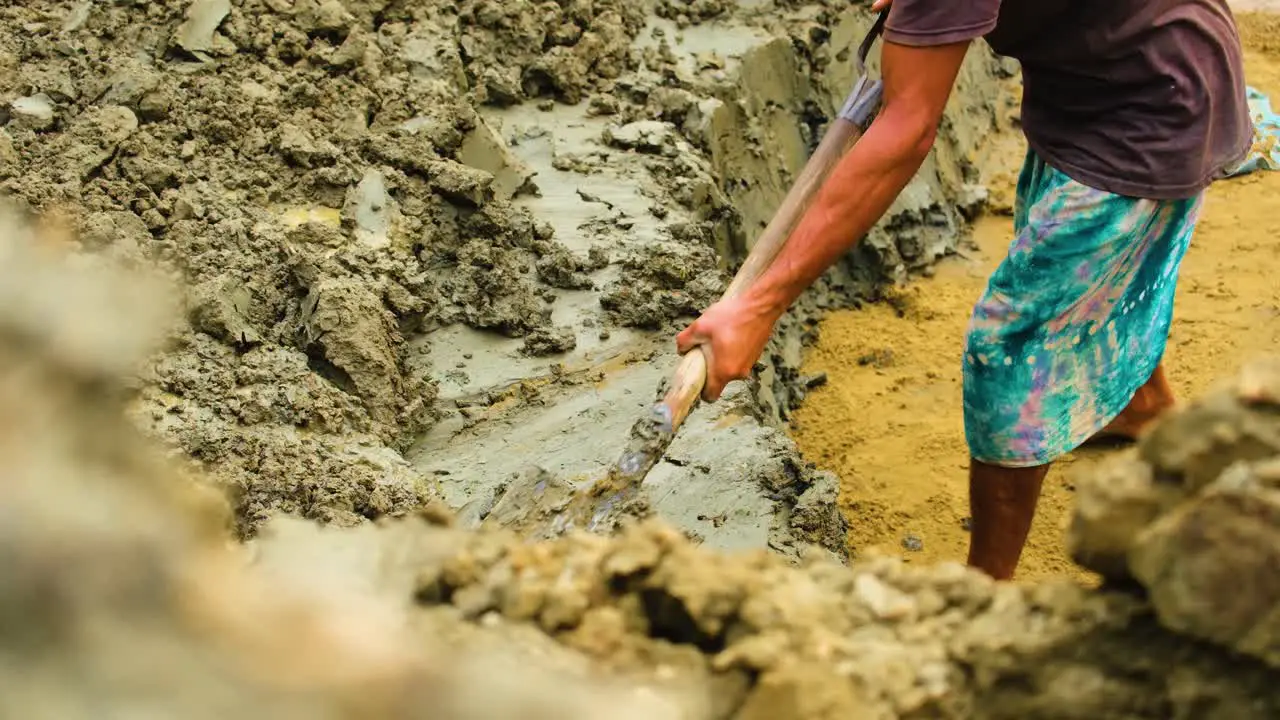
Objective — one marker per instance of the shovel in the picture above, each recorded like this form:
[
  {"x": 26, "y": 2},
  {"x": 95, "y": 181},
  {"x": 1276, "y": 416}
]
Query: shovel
[{"x": 652, "y": 435}]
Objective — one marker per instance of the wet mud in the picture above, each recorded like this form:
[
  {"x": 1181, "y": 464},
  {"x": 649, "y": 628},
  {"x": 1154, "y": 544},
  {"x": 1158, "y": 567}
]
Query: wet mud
[
  {"x": 109, "y": 547},
  {"x": 122, "y": 592},
  {"x": 429, "y": 247}
]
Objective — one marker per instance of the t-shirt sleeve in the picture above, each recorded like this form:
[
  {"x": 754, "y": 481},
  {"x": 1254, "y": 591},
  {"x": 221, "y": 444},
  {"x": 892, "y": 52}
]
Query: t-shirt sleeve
[{"x": 939, "y": 22}]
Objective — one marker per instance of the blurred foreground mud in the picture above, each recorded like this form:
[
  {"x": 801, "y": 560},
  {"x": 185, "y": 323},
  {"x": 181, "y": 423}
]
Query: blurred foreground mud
[
  {"x": 122, "y": 593},
  {"x": 1194, "y": 516}
]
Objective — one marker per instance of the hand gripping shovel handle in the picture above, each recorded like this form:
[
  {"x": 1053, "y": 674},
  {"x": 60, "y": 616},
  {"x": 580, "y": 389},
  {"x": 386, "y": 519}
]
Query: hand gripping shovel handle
[{"x": 690, "y": 375}]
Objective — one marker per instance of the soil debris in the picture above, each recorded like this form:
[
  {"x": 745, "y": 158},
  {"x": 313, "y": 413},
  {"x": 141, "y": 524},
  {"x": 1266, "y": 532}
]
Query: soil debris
[
  {"x": 524, "y": 50},
  {"x": 196, "y": 33},
  {"x": 1192, "y": 515},
  {"x": 550, "y": 341},
  {"x": 664, "y": 283}
]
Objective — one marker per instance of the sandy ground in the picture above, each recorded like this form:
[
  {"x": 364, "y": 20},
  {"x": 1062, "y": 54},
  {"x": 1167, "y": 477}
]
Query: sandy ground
[{"x": 889, "y": 420}]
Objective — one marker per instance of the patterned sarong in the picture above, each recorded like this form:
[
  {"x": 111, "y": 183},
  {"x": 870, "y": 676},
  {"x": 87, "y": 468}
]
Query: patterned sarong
[{"x": 1074, "y": 320}]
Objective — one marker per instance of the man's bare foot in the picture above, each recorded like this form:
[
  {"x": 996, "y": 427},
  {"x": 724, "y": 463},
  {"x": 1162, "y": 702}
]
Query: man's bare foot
[
  {"x": 1141, "y": 413},
  {"x": 1152, "y": 400},
  {"x": 1125, "y": 428}
]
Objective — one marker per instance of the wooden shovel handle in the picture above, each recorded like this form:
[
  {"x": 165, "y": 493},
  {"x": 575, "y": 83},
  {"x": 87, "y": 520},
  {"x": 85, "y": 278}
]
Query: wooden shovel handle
[{"x": 691, "y": 373}]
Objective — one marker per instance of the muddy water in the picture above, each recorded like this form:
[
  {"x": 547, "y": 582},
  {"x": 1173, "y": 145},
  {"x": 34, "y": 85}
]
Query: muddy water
[{"x": 889, "y": 421}]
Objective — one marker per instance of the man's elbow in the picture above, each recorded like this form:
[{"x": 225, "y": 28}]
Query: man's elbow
[{"x": 914, "y": 131}]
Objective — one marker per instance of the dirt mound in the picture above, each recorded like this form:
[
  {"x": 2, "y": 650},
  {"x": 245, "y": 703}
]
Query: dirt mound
[
  {"x": 1193, "y": 513},
  {"x": 879, "y": 640}
]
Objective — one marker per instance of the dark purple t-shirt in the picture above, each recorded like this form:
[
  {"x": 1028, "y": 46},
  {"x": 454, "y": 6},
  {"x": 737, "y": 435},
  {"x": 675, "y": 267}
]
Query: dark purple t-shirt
[{"x": 1144, "y": 98}]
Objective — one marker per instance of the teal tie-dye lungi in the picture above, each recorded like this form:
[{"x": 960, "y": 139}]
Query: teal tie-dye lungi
[{"x": 1074, "y": 320}]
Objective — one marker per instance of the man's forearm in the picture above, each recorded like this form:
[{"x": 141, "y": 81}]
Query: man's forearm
[{"x": 855, "y": 195}]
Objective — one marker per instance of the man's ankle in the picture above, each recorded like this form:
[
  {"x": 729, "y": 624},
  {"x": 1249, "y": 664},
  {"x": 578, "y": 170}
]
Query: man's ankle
[
  {"x": 996, "y": 571},
  {"x": 1150, "y": 402}
]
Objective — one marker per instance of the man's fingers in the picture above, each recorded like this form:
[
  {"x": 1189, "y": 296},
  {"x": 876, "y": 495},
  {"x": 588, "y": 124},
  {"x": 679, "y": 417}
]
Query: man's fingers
[
  {"x": 711, "y": 390},
  {"x": 718, "y": 378},
  {"x": 714, "y": 385},
  {"x": 688, "y": 339}
]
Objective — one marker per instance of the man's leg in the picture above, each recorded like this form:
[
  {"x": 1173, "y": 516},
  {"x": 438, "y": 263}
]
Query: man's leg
[
  {"x": 1148, "y": 404},
  {"x": 1002, "y": 502},
  {"x": 1071, "y": 319}
]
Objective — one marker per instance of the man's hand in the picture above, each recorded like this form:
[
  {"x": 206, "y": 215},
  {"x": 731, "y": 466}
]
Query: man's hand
[
  {"x": 732, "y": 333},
  {"x": 879, "y": 5}
]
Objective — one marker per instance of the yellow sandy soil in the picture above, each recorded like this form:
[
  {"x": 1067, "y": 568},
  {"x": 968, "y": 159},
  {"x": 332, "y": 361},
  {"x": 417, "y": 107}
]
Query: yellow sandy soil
[{"x": 889, "y": 421}]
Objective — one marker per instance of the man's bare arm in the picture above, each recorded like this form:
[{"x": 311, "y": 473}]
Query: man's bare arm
[{"x": 917, "y": 84}]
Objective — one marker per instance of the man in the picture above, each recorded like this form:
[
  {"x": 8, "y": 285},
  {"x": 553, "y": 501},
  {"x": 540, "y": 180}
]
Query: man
[{"x": 1130, "y": 108}]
